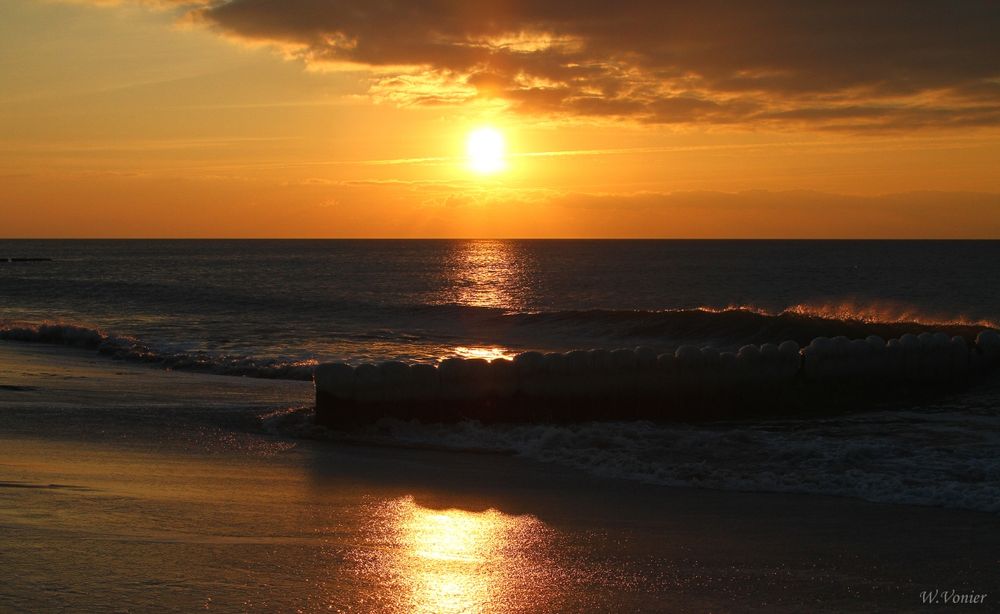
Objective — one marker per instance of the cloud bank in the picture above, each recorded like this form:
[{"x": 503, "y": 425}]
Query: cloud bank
[{"x": 845, "y": 65}]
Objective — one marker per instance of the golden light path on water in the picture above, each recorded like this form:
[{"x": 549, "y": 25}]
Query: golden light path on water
[
  {"x": 452, "y": 560},
  {"x": 488, "y": 353},
  {"x": 487, "y": 273}
]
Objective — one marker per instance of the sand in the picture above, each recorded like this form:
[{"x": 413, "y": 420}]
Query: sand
[{"x": 126, "y": 488}]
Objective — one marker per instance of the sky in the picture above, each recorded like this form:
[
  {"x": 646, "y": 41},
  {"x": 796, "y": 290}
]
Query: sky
[{"x": 634, "y": 118}]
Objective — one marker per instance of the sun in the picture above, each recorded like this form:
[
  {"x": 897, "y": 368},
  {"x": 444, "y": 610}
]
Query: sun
[{"x": 485, "y": 149}]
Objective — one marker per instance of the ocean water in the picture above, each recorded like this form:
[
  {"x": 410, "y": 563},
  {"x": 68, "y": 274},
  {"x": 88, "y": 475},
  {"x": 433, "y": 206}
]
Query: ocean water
[
  {"x": 249, "y": 306},
  {"x": 274, "y": 308}
]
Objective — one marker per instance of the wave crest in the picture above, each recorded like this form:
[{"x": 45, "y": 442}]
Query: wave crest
[
  {"x": 723, "y": 328},
  {"x": 124, "y": 347},
  {"x": 884, "y": 312},
  {"x": 734, "y": 326}
]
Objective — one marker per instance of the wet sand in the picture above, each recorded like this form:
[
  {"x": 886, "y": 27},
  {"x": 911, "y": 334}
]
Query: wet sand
[{"x": 124, "y": 488}]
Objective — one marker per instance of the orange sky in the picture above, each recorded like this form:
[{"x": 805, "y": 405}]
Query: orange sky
[{"x": 306, "y": 118}]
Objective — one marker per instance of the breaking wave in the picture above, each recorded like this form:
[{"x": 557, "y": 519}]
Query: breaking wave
[
  {"x": 725, "y": 328},
  {"x": 738, "y": 325},
  {"x": 124, "y": 347}
]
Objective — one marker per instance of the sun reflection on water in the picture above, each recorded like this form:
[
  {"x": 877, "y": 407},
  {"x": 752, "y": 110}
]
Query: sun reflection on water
[
  {"x": 486, "y": 273},
  {"x": 459, "y": 561},
  {"x": 489, "y": 353}
]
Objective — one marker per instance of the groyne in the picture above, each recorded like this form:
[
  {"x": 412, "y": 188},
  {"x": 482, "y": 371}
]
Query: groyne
[{"x": 689, "y": 384}]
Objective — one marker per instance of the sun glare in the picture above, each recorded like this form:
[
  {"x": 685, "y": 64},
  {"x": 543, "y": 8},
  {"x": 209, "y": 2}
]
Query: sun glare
[{"x": 485, "y": 150}]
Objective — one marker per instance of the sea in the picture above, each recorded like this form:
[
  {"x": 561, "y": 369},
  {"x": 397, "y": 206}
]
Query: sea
[{"x": 273, "y": 309}]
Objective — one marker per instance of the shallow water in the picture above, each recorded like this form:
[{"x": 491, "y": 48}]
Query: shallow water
[
  {"x": 171, "y": 504},
  {"x": 129, "y": 488}
]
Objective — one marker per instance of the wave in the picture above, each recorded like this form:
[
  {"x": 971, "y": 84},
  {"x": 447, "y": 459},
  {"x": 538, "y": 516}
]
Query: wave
[
  {"x": 940, "y": 455},
  {"x": 124, "y": 347},
  {"x": 885, "y": 312},
  {"x": 732, "y": 325},
  {"x": 453, "y": 325}
]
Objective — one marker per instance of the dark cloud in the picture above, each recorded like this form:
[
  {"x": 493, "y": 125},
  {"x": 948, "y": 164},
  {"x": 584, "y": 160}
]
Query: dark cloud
[{"x": 846, "y": 64}]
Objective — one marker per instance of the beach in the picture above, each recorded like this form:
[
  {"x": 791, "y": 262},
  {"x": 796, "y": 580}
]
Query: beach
[
  {"x": 489, "y": 307},
  {"x": 173, "y": 512},
  {"x": 159, "y": 447}
]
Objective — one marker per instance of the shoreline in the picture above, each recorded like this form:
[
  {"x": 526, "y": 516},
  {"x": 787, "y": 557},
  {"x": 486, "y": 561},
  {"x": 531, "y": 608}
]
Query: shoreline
[
  {"x": 611, "y": 543},
  {"x": 240, "y": 521}
]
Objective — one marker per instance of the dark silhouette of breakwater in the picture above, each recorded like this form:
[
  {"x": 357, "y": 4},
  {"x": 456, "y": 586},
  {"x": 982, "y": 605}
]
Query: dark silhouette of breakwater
[{"x": 690, "y": 384}]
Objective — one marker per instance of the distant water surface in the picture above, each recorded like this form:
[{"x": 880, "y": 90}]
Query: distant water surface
[{"x": 243, "y": 306}]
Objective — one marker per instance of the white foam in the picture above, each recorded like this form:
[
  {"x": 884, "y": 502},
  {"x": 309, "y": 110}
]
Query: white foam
[{"x": 939, "y": 456}]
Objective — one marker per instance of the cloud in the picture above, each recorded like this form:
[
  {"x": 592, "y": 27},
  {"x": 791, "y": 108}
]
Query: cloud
[{"x": 844, "y": 65}]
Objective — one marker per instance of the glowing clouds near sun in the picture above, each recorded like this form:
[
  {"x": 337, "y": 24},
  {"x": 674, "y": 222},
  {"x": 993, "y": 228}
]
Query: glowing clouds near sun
[{"x": 844, "y": 66}]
